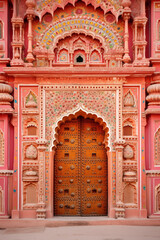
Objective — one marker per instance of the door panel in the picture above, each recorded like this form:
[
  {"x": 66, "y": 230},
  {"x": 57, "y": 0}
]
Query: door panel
[
  {"x": 67, "y": 170},
  {"x": 81, "y": 169},
  {"x": 94, "y": 169}
]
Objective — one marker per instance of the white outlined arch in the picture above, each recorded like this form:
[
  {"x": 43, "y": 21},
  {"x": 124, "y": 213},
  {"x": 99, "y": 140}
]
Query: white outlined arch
[{"x": 80, "y": 110}]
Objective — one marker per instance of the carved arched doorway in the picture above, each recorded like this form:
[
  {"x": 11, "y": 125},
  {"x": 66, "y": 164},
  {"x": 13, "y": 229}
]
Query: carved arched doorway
[{"x": 81, "y": 169}]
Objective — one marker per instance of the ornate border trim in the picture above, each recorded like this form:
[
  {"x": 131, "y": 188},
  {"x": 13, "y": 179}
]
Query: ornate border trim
[
  {"x": 6, "y": 172},
  {"x": 153, "y": 173}
]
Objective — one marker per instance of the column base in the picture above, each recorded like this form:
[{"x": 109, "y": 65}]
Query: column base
[
  {"x": 17, "y": 63},
  {"x": 15, "y": 214},
  {"x": 41, "y": 213},
  {"x": 120, "y": 211},
  {"x": 141, "y": 63}
]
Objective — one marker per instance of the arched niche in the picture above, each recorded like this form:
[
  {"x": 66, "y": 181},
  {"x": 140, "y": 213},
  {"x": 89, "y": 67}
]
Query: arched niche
[
  {"x": 129, "y": 99},
  {"x": 130, "y": 194},
  {"x": 157, "y": 147},
  {"x": 1, "y": 148},
  {"x": 95, "y": 56},
  {"x": 1, "y": 200},
  {"x": 30, "y": 198},
  {"x": 1, "y": 30},
  {"x": 31, "y": 100},
  {"x": 30, "y": 127},
  {"x": 157, "y": 198},
  {"x": 129, "y": 127}
]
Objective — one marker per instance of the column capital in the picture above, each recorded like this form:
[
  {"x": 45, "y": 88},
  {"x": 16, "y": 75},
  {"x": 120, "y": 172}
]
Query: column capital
[
  {"x": 127, "y": 14},
  {"x": 119, "y": 143},
  {"x": 42, "y": 143}
]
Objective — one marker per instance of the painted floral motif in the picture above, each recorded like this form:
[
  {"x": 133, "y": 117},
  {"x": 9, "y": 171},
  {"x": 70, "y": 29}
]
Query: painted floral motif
[
  {"x": 60, "y": 102},
  {"x": 51, "y": 5},
  {"x": 82, "y": 11},
  {"x": 63, "y": 57}
]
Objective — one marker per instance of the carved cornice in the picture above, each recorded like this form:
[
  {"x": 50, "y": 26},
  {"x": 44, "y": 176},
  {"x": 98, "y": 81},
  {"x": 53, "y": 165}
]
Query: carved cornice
[
  {"x": 153, "y": 173},
  {"x": 6, "y": 172},
  {"x": 152, "y": 111},
  {"x": 128, "y": 110},
  {"x": 30, "y": 111},
  {"x": 6, "y": 110},
  {"x": 89, "y": 71}
]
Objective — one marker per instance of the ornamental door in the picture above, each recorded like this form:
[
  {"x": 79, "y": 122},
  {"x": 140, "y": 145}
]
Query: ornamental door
[{"x": 80, "y": 170}]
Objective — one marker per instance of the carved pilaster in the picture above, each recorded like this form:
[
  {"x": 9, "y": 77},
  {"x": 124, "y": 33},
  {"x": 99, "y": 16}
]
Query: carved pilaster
[
  {"x": 119, "y": 211},
  {"x": 30, "y": 14},
  {"x": 17, "y": 42},
  {"x": 140, "y": 42},
  {"x": 126, "y": 16},
  {"x": 41, "y": 211}
]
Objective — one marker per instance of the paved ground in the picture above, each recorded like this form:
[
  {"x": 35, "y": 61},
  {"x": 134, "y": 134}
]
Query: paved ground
[{"x": 82, "y": 233}]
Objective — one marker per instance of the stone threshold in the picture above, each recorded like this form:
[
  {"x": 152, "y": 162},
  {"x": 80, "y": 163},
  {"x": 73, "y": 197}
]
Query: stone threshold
[{"x": 75, "y": 221}]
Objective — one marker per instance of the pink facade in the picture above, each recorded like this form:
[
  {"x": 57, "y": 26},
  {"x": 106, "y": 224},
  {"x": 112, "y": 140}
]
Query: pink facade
[{"x": 60, "y": 60}]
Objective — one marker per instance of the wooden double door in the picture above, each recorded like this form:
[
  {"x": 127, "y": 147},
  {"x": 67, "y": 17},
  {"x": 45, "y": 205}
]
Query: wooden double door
[{"x": 80, "y": 175}]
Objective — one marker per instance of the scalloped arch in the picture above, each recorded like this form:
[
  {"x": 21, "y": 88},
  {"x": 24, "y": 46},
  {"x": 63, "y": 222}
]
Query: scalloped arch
[
  {"x": 49, "y": 6},
  {"x": 76, "y": 114},
  {"x": 66, "y": 27},
  {"x": 79, "y": 31}
]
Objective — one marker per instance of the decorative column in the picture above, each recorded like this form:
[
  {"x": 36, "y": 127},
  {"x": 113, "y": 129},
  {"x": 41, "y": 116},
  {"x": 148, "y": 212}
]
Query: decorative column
[
  {"x": 6, "y": 172},
  {"x": 17, "y": 42},
  {"x": 126, "y": 16},
  {"x": 30, "y": 15},
  {"x": 41, "y": 211},
  {"x": 5, "y": 95},
  {"x": 153, "y": 98},
  {"x": 119, "y": 210},
  {"x": 139, "y": 39}
]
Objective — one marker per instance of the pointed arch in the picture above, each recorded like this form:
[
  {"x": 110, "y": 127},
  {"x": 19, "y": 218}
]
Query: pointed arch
[
  {"x": 31, "y": 100},
  {"x": 129, "y": 99}
]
